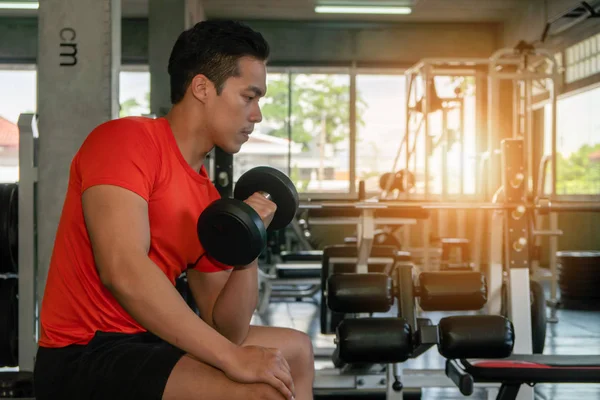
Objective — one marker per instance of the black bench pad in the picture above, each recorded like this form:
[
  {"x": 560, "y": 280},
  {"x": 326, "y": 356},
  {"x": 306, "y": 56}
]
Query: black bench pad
[
  {"x": 297, "y": 271},
  {"x": 306, "y": 255}
]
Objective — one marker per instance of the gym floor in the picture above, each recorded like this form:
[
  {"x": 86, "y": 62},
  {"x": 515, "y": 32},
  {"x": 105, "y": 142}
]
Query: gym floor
[{"x": 577, "y": 332}]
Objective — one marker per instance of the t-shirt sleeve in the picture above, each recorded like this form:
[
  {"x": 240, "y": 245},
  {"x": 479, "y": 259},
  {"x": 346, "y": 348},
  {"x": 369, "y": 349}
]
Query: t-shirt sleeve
[
  {"x": 121, "y": 153},
  {"x": 207, "y": 263}
]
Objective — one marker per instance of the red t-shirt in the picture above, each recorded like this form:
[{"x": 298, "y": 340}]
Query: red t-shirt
[{"x": 141, "y": 155}]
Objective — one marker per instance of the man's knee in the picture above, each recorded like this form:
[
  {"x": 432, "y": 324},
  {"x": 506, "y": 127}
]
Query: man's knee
[{"x": 302, "y": 350}]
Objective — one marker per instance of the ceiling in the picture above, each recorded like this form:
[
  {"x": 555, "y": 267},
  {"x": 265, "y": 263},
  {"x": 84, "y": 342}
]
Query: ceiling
[{"x": 423, "y": 10}]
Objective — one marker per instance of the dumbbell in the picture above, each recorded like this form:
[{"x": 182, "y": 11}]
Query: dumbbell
[
  {"x": 231, "y": 231},
  {"x": 403, "y": 180}
]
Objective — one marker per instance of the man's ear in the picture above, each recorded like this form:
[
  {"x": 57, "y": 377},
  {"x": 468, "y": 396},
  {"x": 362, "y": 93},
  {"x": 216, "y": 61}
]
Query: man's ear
[{"x": 201, "y": 87}]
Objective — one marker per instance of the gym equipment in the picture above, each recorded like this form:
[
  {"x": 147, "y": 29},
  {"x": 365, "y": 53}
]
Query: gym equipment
[
  {"x": 392, "y": 340},
  {"x": 9, "y": 319},
  {"x": 456, "y": 255},
  {"x": 543, "y": 206},
  {"x": 519, "y": 371},
  {"x": 9, "y": 228},
  {"x": 16, "y": 385},
  {"x": 539, "y": 321},
  {"x": 402, "y": 181},
  {"x": 579, "y": 279},
  {"x": 343, "y": 259},
  {"x": 31, "y": 279},
  {"x": 231, "y": 231},
  {"x": 373, "y": 340},
  {"x": 297, "y": 276},
  {"x": 437, "y": 291}
]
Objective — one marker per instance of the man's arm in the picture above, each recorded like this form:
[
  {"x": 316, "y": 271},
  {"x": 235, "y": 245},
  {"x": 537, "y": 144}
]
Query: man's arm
[
  {"x": 226, "y": 300},
  {"x": 119, "y": 230}
]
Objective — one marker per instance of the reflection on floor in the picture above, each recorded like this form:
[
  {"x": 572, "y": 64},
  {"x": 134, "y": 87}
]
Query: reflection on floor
[{"x": 577, "y": 332}]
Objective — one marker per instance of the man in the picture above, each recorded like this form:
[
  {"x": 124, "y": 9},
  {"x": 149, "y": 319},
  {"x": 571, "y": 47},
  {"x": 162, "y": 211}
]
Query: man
[{"x": 113, "y": 324}]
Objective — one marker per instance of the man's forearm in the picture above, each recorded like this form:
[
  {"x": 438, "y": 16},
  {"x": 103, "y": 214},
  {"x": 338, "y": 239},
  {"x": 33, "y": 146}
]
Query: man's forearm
[
  {"x": 147, "y": 295},
  {"x": 235, "y": 305}
]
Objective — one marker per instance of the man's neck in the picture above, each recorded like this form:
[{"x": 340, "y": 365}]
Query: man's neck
[{"x": 187, "y": 128}]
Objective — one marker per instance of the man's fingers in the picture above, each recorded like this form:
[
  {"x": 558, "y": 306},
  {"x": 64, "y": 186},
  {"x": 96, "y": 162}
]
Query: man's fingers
[
  {"x": 280, "y": 386},
  {"x": 286, "y": 365},
  {"x": 285, "y": 377}
]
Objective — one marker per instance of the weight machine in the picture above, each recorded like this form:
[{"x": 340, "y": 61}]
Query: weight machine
[
  {"x": 30, "y": 287},
  {"x": 510, "y": 270},
  {"x": 515, "y": 231},
  {"x": 423, "y": 101}
]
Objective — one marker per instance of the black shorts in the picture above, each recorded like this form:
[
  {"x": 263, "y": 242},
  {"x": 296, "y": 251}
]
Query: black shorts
[{"x": 112, "y": 366}]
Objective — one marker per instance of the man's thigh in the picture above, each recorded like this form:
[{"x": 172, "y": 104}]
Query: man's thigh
[
  {"x": 295, "y": 346},
  {"x": 112, "y": 366}
]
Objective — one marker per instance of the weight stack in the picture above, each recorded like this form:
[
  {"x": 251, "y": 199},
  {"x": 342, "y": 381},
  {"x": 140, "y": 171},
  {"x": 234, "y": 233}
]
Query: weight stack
[
  {"x": 9, "y": 322},
  {"x": 9, "y": 228},
  {"x": 579, "y": 279}
]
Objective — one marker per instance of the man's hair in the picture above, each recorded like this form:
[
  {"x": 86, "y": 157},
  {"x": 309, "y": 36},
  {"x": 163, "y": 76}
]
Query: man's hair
[{"x": 212, "y": 48}]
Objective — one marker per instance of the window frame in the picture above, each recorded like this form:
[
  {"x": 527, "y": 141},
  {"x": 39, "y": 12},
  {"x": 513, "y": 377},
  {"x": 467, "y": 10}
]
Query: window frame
[
  {"x": 352, "y": 72},
  {"x": 575, "y": 197}
]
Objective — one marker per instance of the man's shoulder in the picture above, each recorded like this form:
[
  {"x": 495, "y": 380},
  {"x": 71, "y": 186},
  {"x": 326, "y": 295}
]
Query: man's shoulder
[
  {"x": 127, "y": 124},
  {"x": 126, "y": 130}
]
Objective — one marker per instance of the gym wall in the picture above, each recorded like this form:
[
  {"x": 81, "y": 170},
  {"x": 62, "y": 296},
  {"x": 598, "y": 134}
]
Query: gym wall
[
  {"x": 300, "y": 43},
  {"x": 529, "y": 20}
]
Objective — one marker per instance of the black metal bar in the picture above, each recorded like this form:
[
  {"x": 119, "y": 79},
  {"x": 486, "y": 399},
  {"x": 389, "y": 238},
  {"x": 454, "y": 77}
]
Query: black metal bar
[
  {"x": 223, "y": 172},
  {"x": 289, "y": 124},
  {"x": 462, "y": 379},
  {"x": 420, "y": 206},
  {"x": 508, "y": 391}
]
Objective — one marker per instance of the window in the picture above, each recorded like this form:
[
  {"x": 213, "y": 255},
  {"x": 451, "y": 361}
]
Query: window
[
  {"x": 304, "y": 131},
  {"x": 134, "y": 92},
  {"x": 19, "y": 83},
  {"x": 269, "y": 144},
  {"x": 452, "y": 137},
  {"x": 583, "y": 59},
  {"x": 19, "y": 96},
  {"x": 380, "y": 121},
  {"x": 452, "y": 162},
  {"x": 578, "y": 144},
  {"x": 320, "y": 126}
]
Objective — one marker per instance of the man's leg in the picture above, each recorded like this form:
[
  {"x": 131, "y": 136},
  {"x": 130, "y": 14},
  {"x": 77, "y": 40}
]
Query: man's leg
[
  {"x": 194, "y": 380},
  {"x": 191, "y": 379},
  {"x": 297, "y": 349}
]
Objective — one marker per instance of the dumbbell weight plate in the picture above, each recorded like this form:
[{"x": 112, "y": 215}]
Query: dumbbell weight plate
[
  {"x": 406, "y": 180},
  {"x": 383, "y": 180},
  {"x": 226, "y": 227},
  {"x": 275, "y": 183}
]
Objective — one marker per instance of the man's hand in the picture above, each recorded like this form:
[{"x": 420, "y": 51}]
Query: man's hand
[
  {"x": 263, "y": 206},
  {"x": 255, "y": 364}
]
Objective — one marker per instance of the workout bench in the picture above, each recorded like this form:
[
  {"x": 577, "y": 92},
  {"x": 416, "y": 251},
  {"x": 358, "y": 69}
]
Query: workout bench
[{"x": 517, "y": 370}]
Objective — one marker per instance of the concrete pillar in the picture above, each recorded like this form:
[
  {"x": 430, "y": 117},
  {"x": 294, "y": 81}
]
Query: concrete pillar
[
  {"x": 166, "y": 20},
  {"x": 78, "y": 69}
]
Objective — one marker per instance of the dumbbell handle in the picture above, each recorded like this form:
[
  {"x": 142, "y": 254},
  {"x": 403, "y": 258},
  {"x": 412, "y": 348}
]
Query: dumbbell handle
[{"x": 266, "y": 195}]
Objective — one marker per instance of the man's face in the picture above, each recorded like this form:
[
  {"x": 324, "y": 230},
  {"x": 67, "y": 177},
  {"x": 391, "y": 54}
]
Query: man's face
[{"x": 233, "y": 113}]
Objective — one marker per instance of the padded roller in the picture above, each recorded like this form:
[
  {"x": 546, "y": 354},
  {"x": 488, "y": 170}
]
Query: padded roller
[
  {"x": 359, "y": 293},
  {"x": 374, "y": 340},
  {"x": 452, "y": 291},
  {"x": 475, "y": 336}
]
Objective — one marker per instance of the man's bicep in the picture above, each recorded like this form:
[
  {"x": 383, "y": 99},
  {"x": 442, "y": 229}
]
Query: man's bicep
[
  {"x": 206, "y": 287},
  {"x": 118, "y": 226}
]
